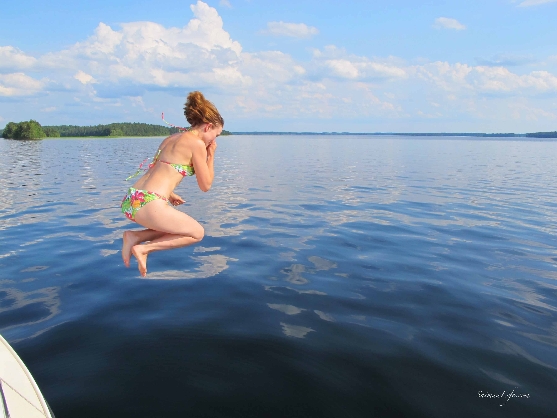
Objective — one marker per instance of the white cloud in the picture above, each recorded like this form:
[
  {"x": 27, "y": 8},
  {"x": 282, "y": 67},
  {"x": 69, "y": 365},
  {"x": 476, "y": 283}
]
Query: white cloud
[
  {"x": 12, "y": 59},
  {"x": 338, "y": 63},
  {"x": 225, "y": 3},
  {"x": 447, "y": 77},
  {"x": 19, "y": 84},
  {"x": 203, "y": 55},
  {"x": 146, "y": 53},
  {"x": 501, "y": 79},
  {"x": 343, "y": 68},
  {"x": 294, "y": 30},
  {"x": 84, "y": 78},
  {"x": 448, "y": 23},
  {"x": 49, "y": 109},
  {"x": 528, "y": 3},
  {"x": 526, "y": 111},
  {"x": 271, "y": 68},
  {"x": 484, "y": 79}
]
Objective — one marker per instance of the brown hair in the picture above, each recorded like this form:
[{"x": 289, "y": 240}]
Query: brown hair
[{"x": 199, "y": 110}]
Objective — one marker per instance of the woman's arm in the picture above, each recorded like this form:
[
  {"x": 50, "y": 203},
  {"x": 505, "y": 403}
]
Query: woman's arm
[{"x": 203, "y": 163}]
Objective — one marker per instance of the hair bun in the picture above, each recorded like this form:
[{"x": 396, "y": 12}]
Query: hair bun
[{"x": 199, "y": 110}]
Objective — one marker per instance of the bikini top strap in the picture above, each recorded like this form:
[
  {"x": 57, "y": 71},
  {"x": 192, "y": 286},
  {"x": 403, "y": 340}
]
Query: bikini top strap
[
  {"x": 145, "y": 169},
  {"x": 138, "y": 170},
  {"x": 155, "y": 158}
]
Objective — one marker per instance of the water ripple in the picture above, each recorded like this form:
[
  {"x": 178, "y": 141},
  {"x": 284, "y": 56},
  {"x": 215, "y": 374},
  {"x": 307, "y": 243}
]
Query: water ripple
[{"x": 345, "y": 275}]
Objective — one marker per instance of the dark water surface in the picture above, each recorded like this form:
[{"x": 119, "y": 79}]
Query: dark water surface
[{"x": 339, "y": 277}]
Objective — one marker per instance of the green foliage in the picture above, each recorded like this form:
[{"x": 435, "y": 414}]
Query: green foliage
[
  {"x": 24, "y": 130},
  {"x": 29, "y": 130},
  {"x": 114, "y": 129},
  {"x": 9, "y": 130},
  {"x": 116, "y": 132},
  {"x": 51, "y": 132}
]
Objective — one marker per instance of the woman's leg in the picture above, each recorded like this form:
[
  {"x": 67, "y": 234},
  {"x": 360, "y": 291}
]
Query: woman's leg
[
  {"x": 177, "y": 230},
  {"x": 132, "y": 238}
]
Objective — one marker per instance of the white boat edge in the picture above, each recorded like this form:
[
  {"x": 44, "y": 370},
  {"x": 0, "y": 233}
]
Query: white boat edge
[{"x": 4, "y": 408}]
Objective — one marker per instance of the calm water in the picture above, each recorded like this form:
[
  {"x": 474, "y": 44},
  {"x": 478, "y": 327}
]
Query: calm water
[{"x": 339, "y": 277}]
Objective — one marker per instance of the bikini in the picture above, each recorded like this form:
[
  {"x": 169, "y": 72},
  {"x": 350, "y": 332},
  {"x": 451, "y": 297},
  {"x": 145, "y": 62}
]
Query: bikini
[{"x": 135, "y": 199}]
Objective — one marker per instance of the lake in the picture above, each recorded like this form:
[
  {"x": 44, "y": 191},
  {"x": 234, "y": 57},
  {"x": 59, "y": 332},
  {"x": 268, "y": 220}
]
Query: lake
[{"x": 340, "y": 276}]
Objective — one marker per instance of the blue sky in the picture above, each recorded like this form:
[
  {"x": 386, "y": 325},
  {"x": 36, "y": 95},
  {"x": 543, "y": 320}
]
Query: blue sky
[{"x": 365, "y": 66}]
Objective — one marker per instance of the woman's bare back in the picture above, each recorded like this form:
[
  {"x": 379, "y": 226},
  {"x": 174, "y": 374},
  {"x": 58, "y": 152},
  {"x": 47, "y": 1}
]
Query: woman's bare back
[{"x": 162, "y": 178}]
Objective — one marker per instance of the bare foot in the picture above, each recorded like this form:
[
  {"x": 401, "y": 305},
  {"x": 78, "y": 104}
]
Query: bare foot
[
  {"x": 129, "y": 240},
  {"x": 141, "y": 259}
]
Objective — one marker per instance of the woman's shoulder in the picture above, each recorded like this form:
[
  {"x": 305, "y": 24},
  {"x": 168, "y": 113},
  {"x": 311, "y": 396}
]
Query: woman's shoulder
[{"x": 190, "y": 141}]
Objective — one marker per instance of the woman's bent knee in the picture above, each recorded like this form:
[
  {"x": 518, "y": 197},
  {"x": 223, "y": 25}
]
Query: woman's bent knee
[{"x": 198, "y": 233}]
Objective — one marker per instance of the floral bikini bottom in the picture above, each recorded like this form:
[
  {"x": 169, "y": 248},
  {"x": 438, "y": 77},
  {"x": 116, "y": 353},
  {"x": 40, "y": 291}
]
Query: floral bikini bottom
[{"x": 136, "y": 199}]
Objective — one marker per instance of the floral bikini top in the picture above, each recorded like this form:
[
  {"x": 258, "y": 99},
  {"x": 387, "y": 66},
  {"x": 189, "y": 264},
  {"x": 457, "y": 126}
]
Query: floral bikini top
[{"x": 183, "y": 169}]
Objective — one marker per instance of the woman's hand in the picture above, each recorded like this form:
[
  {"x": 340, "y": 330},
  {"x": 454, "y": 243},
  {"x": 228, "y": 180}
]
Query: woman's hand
[
  {"x": 211, "y": 148},
  {"x": 175, "y": 200}
]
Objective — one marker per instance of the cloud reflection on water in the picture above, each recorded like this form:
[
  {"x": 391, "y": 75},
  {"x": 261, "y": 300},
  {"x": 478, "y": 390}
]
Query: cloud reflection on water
[
  {"x": 211, "y": 265},
  {"x": 19, "y": 308}
]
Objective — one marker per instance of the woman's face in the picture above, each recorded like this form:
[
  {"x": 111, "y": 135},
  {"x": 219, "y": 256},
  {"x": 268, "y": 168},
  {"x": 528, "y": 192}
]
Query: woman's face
[{"x": 210, "y": 133}]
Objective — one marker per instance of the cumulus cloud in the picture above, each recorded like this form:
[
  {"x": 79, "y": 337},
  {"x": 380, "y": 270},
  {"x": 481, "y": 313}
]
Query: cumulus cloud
[
  {"x": 501, "y": 79},
  {"x": 272, "y": 67},
  {"x": 448, "y": 23},
  {"x": 147, "y": 53},
  {"x": 19, "y": 84},
  {"x": 12, "y": 59},
  {"x": 84, "y": 78},
  {"x": 294, "y": 30},
  {"x": 343, "y": 68},
  {"x": 483, "y": 79},
  {"x": 332, "y": 61},
  {"x": 528, "y": 3}
]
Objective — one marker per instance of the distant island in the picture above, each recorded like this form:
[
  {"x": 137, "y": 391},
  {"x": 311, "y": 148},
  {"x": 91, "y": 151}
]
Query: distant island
[{"x": 34, "y": 130}]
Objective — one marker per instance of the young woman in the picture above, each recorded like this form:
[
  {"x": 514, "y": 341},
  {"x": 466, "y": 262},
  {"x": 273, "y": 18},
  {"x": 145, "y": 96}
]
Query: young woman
[{"x": 147, "y": 202}]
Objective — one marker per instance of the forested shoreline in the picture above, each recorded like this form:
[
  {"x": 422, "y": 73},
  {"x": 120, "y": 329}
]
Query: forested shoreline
[
  {"x": 34, "y": 130},
  {"x": 113, "y": 129},
  {"x": 542, "y": 135}
]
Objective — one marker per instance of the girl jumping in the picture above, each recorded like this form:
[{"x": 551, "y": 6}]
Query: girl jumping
[{"x": 147, "y": 201}]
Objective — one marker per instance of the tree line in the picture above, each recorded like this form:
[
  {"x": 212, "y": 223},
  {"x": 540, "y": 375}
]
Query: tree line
[
  {"x": 33, "y": 130},
  {"x": 114, "y": 129},
  {"x": 543, "y": 135}
]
